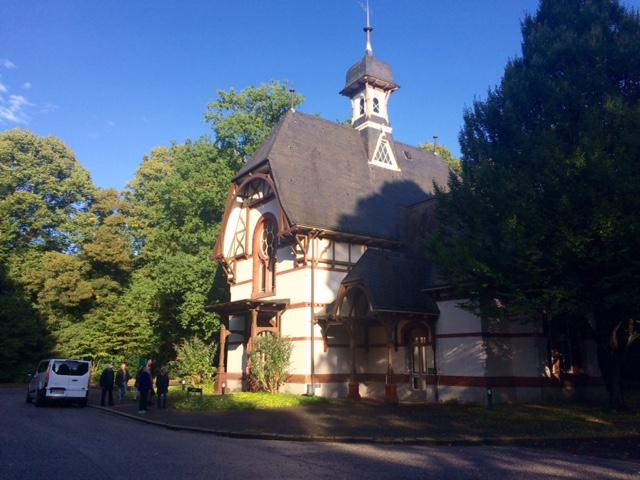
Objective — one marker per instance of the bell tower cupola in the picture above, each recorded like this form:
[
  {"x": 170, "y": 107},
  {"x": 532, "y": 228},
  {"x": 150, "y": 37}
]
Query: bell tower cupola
[{"x": 369, "y": 84}]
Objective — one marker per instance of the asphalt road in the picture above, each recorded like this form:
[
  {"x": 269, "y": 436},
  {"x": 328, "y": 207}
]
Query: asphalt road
[{"x": 57, "y": 442}]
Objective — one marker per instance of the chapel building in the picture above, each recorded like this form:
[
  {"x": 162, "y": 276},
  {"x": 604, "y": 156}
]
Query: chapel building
[{"x": 322, "y": 242}]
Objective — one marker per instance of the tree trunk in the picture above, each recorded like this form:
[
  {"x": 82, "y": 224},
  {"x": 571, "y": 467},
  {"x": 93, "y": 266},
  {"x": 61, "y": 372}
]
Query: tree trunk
[
  {"x": 616, "y": 395},
  {"x": 610, "y": 362}
]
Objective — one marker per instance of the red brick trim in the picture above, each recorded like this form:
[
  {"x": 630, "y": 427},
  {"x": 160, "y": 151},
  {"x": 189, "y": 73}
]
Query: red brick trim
[
  {"x": 448, "y": 380},
  {"x": 293, "y": 306},
  {"x": 492, "y": 335}
]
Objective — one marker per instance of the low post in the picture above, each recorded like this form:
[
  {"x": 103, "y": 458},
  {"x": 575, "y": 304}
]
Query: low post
[{"x": 489, "y": 398}]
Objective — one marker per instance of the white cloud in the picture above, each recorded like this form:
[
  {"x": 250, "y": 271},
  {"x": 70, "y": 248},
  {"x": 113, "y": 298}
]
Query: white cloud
[
  {"x": 111, "y": 123},
  {"x": 26, "y": 85},
  {"x": 3, "y": 89},
  {"x": 12, "y": 109},
  {"x": 49, "y": 108},
  {"x": 8, "y": 64}
]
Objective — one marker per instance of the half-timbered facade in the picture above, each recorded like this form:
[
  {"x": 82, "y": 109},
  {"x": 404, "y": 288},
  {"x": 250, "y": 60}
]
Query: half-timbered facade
[{"x": 320, "y": 243}]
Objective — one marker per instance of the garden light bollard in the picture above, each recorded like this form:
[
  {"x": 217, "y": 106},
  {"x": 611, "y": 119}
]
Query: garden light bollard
[
  {"x": 223, "y": 390},
  {"x": 489, "y": 398},
  {"x": 184, "y": 384}
]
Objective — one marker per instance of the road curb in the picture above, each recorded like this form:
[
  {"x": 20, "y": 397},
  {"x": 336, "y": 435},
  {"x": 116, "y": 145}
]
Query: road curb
[{"x": 425, "y": 441}]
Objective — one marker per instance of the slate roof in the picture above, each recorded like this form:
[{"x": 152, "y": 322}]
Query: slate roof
[
  {"x": 393, "y": 281},
  {"x": 324, "y": 180}
]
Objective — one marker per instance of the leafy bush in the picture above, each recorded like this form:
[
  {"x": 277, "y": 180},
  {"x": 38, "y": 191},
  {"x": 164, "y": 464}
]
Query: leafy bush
[
  {"x": 194, "y": 361},
  {"x": 270, "y": 360}
]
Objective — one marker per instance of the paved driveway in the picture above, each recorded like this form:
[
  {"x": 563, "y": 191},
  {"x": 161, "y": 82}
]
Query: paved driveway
[{"x": 69, "y": 442}]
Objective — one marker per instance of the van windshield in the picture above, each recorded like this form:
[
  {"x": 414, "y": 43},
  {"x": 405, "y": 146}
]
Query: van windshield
[{"x": 70, "y": 368}]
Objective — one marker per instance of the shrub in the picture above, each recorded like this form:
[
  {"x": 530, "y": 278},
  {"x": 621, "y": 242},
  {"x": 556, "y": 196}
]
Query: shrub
[
  {"x": 194, "y": 361},
  {"x": 270, "y": 360}
]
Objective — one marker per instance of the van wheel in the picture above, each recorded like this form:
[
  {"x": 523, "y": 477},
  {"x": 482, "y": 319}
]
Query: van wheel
[
  {"x": 83, "y": 403},
  {"x": 28, "y": 400},
  {"x": 40, "y": 398}
]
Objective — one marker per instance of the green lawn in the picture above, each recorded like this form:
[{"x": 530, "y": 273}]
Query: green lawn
[{"x": 238, "y": 401}]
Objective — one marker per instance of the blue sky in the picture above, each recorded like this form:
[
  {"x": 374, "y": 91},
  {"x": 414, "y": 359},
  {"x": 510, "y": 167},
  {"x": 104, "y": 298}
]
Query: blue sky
[{"x": 114, "y": 79}]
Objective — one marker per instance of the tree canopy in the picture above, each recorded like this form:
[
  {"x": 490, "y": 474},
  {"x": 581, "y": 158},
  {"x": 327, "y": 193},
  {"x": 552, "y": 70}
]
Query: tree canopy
[
  {"x": 545, "y": 214},
  {"x": 443, "y": 152},
  {"x": 243, "y": 120},
  {"x": 112, "y": 276}
]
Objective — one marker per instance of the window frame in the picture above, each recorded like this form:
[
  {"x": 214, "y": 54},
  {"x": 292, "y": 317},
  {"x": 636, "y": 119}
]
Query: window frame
[{"x": 264, "y": 266}]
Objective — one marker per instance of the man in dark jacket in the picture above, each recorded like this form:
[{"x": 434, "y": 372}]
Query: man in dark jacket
[
  {"x": 144, "y": 386},
  {"x": 162, "y": 387},
  {"x": 122, "y": 378},
  {"x": 106, "y": 383}
]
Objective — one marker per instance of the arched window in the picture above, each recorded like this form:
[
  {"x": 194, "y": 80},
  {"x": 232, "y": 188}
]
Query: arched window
[
  {"x": 376, "y": 105},
  {"x": 265, "y": 246},
  {"x": 362, "y": 106}
]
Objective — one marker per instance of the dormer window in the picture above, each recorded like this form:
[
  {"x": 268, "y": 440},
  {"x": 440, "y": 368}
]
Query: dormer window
[
  {"x": 362, "y": 106},
  {"x": 376, "y": 105},
  {"x": 383, "y": 156}
]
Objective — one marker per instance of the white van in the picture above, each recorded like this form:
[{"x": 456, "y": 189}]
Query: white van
[{"x": 60, "y": 379}]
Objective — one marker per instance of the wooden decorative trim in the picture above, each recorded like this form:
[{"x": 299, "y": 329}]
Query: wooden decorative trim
[
  {"x": 260, "y": 202},
  {"x": 294, "y": 269},
  {"x": 219, "y": 246}
]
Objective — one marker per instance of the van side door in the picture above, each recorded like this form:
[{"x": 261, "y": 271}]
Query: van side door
[{"x": 37, "y": 379}]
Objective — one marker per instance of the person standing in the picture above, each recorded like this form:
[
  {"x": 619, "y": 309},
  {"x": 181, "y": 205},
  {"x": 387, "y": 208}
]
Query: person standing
[
  {"x": 162, "y": 387},
  {"x": 149, "y": 368},
  {"x": 144, "y": 386},
  {"x": 122, "y": 378},
  {"x": 106, "y": 383}
]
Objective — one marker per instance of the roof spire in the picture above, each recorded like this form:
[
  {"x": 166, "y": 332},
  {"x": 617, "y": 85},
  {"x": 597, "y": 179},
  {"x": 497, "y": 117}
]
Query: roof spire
[{"x": 368, "y": 29}]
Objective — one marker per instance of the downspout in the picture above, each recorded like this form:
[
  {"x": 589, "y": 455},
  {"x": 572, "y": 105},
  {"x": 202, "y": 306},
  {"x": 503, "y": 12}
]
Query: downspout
[
  {"x": 312, "y": 237},
  {"x": 435, "y": 367}
]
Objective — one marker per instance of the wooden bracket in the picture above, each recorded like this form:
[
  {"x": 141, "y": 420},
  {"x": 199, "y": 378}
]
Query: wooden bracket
[
  {"x": 300, "y": 249},
  {"x": 228, "y": 266}
]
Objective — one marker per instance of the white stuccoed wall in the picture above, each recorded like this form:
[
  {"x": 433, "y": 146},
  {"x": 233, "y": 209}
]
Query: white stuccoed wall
[{"x": 461, "y": 348}]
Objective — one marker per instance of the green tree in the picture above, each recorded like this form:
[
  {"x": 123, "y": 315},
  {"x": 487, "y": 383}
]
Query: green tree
[
  {"x": 194, "y": 360},
  {"x": 545, "y": 215},
  {"x": 243, "y": 120},
  {"x": 42, "y": 190},
  {"x": 25, "y": 337},
  {"x": 443, "y": 152},
  {"x": 177, "y": 199},
  {"x": 78, "y": 293},
  {"x": 270, "y": 361}
]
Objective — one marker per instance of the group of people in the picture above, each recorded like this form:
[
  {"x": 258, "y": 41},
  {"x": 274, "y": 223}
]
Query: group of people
[{"x": 143, "y": 383}]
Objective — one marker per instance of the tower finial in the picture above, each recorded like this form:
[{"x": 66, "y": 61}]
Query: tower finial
[{"x": 368, "y": 29}]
